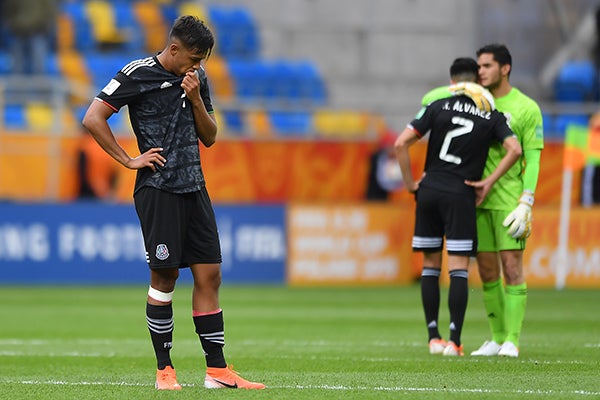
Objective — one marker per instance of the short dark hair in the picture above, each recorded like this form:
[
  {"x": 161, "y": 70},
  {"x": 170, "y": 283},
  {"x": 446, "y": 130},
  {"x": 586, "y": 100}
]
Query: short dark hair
[
  {"x": 193, "y": 33},
  {"x": 464, "y": 69},
  {"x": 499, "y": 51}
]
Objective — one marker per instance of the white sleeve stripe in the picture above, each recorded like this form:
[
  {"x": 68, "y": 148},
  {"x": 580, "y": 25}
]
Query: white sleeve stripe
[{"x": 132, "y": 66}]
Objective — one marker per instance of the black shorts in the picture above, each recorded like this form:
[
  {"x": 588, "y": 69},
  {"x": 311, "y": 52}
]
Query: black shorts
[
  {"x": 179, "y": 229},
  {"x": 440, "y": 214}
]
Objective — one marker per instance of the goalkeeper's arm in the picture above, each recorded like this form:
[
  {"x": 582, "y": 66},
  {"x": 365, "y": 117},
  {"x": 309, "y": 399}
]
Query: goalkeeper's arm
[{"x": 519, "y": 220}]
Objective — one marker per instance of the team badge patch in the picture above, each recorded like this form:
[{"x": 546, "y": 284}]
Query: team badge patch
[{"x": 162, "y": 252}]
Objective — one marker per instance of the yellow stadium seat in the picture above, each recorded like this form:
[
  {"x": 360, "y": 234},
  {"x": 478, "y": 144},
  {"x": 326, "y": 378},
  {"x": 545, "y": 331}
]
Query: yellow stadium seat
[
  {"x": 102, "y": 18},
  {"x": 218, "y": 76},
  {"x": 258, "y": 124},
  {"x": 38, "y": 116},
  {"x": 193, "y": 8},
  {"x": 41, "y": 117},
  {"x": 345, "y": 124}
]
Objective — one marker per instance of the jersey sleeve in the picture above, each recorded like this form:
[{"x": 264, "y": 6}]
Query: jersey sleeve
[
  {"x": 119, "y": 91},
  {"x": 533, "y": 132},
  {"x": 501, "y": 127},
  {"x": 423, "y": 121}
]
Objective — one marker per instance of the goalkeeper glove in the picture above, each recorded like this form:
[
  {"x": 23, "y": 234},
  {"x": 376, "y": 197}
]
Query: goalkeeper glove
[
  {"x": 519, "y": 220},
  {"x": 481, "y": 96}
]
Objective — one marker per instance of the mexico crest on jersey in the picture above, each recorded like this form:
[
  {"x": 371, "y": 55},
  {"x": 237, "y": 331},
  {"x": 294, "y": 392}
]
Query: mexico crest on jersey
[{"x": 162, "y": 252}]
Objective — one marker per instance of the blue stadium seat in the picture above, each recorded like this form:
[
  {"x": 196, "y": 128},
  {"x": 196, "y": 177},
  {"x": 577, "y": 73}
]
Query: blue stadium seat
[
  {"x": 126, "y": 21},
  {"x": 14, "y": 116},
  {"x": 103, "y": 67},
  {"x": 291, "y": 123},
  {"x": 251, "y": 79},
  {"x": 236, "y": 32},
  {"x": 84, "y": 40},
  {"x": 562, "y": 121},
  {"x": 577, "y": 81},
  {"x": 233, "y": 121},
  {"x": 5, "y": 62}
]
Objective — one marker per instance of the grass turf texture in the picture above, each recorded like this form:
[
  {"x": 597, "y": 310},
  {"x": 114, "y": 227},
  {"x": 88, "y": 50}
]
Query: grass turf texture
[{"x": 303, "y": 343}]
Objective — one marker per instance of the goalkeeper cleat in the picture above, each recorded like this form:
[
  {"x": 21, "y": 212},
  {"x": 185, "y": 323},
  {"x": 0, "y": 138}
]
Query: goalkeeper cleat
[
  {"x": 437, "y": 346},
  {"x": 227, "y": 378},
  {"x": 508, "y": 349},
  {"x": 166, "y": 379},
  {"x": 452, "y": 349},
  {"x": 488, "y": 348}
]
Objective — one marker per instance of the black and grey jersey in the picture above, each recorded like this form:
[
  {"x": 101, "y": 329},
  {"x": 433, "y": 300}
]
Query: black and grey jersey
[
  {"x": 459, "y": 140},
  {"x": 161, "y": 116}
]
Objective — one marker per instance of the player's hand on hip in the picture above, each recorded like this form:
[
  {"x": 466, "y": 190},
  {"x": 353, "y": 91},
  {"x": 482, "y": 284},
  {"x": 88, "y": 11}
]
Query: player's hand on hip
[
  {"x": 482, "y": 188},
  {"x": 150, "y": 159}
]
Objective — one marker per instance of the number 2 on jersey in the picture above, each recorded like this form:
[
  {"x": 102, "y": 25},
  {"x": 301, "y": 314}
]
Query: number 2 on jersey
[{"x": 466, "y": 126}]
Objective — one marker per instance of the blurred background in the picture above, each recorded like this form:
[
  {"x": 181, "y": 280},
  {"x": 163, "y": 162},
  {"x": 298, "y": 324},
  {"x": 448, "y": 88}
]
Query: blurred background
[{"x": 309, "y": 95}]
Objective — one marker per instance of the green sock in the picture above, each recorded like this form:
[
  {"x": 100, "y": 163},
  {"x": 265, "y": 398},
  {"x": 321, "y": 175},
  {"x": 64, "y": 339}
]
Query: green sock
[
  {"x": 493, "y": 299},
  {"x": 516, "y": 300}
]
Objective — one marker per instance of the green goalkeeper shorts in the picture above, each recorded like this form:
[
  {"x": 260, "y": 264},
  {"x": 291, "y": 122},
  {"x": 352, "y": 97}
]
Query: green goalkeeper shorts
[{"x": 491, "y": 235}]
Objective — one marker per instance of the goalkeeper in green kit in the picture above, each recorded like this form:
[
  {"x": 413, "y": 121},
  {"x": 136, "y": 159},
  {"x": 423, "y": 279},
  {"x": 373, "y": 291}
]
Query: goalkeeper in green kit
[{"x": 504, "y": 216}]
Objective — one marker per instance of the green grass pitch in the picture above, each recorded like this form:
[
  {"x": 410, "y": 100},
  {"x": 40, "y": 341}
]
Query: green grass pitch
[{"x": 303, "y": 343}]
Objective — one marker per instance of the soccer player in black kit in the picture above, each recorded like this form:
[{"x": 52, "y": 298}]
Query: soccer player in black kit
[
  {"x": 170, "y": 111},
  {"x": 460, "y": 134}
]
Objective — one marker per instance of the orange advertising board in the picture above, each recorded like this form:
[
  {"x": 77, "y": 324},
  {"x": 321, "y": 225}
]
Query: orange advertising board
[
  {"x": 582, "y": 262},
  {"x": 349, "y": 245}
]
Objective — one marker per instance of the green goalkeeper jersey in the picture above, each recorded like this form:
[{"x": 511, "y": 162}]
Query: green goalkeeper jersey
[{"x": 525, "y": 119}]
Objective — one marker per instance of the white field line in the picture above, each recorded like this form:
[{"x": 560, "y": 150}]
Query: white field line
[
  {"x": 332, "y": 387},
  {"x": 13, "y": 347}
]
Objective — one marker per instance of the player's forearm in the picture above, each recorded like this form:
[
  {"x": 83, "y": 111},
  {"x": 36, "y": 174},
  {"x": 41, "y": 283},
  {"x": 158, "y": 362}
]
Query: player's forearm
[
  {"x": 98, "y": 127},
  {"x": 513, "y": 153},
  {"x": 206, "y": 125},
  {"x": 532, "y": 169},
  {"x": 403, "y": 142}
]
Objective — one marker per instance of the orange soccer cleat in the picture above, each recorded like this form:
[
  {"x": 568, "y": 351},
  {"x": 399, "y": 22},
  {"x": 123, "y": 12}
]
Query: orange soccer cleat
[
  {"x": 166, "y": 379},
  {"x": 227, "y": 378}
]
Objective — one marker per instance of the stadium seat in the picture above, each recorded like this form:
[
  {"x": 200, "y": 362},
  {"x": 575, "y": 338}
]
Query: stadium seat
[
  {"x": 150, "y": 18},
  {"x": 102, "y": 67},
  {"x": 133, "y": 32},
  {"x": 236, "y": 32},
  {"x": 233, "y": 121},
  {"x": 189, "y": 8},
  {"x": 577, "y": 81},
  {"x": 257, "y": 123},
  {"x": 312, "y": 86},
  {"x": 4, "y": 63},
  {"x": 291, "y": 123},
  {"x": 39, "y": 116},
  {"x": 14, "y": 117},
  {"x": 549, "y": 125},
  {"x": 341, "y": 124},
  {"x": 101, "y": 17},
  {"x": 222, "y": 85},
  {"x": 74, "y": 12},
  {"x": 562, "y": 121}
]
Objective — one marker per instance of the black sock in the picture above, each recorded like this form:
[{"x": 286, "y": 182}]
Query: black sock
[
  {"x": 160, "y": 325},
  {"x": 458, "y": 296},
  {"x": 430, "y": 296},
  {"x": 210, "y": 329}
]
